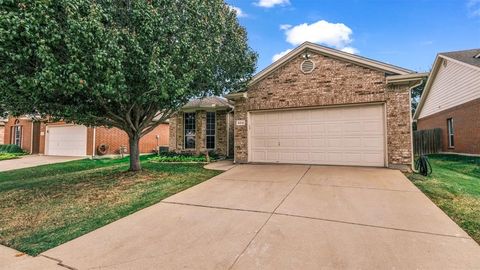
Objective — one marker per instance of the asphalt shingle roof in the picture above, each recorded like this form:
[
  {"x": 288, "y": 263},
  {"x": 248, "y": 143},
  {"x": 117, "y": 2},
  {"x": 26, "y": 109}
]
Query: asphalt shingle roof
[
  {"x": 208, "y": 102},
  {"x": 466, "y": 56}
]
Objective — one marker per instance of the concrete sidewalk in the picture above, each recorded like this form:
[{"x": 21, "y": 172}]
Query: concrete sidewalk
[
  {"x": 282, "y": 217},
  {"x": 33, "y": 161}
]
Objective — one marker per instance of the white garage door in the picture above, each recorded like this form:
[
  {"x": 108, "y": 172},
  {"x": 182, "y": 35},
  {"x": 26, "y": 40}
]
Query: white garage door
[
  {"x": 335, "y": 136},
  {"x": 66, "y": 140}
]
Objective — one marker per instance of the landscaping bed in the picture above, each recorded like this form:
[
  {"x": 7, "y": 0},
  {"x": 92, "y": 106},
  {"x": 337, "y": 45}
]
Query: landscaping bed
[
  {"x": 45, "y": 206},
  {"x": 10, "y": 151},
  {"x": 454, "y": 186},
  {"x": 181, "y": 157}
]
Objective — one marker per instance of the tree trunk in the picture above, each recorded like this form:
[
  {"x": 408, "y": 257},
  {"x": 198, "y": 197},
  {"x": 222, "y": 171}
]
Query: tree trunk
[{"x": 134, "y": 153}]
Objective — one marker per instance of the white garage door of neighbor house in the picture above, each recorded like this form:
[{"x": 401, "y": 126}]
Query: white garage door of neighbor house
[
  {"x": 66, "y": 140},
  {"x": 333, "y": 136}
]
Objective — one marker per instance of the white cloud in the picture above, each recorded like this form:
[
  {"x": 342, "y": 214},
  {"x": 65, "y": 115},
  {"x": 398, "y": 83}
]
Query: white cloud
[
  {"x": 272, "y": 3},
  {"x": 336, "y": 35},
  {"x": 350, "y": 50},
  {"x": 239, "y": 11},
  {"x": 474, "y": 7},
  {"x": 279, "y": 55}
]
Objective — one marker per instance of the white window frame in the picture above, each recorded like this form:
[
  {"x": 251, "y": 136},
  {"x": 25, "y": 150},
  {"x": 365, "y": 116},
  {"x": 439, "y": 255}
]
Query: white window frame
[
  {"x": 185, "y": 130},
  {"x": 214, "y": 131},
  {"x": 451, "y": 133},
  {"x": 17, "y": 131}
]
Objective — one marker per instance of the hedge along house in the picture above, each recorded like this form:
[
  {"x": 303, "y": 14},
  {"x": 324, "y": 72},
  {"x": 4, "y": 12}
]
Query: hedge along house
[
  {"x": 318, "y": 105},
  {"x": 38, "y": 136},
  {"x": 203, "y": 125}
]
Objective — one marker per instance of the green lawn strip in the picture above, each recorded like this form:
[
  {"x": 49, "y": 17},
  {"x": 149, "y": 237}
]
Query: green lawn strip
[
  {"x": 454, "y": 186},
  {"x": 47, "y": 213},
  {"x": 7, "y": 156}
]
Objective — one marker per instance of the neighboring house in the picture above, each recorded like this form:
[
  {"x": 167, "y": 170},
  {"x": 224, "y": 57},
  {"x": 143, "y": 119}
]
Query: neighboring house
[
  {"x": 451, "y": 101},
  {"x": 203, "y": 125},
  {"x": 318, "y": 105},
  {"x": 61, "y": 139},
  {"x": 2, "y": 130}
]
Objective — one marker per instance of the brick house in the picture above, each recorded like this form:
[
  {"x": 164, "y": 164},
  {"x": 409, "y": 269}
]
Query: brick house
[
  {"x": 37, "y": 136},
  {"x": 203, "y": 125},
  {"x": 318, "y": 105},
  {"x": 451, "y": 101}
]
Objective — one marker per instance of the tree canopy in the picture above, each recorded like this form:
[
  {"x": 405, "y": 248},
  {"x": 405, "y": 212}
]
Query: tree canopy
[{"x": 128, "y": 64}]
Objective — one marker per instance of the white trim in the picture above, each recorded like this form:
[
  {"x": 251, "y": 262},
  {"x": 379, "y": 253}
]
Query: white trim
[
  {"x": 450, "y": 132},
  {"x": 431, "y": 78},
  {"x": 460, "y": 62},
  {"x": 31, "y": 138},
  {"x": 385, "y": 141},
  {"x": 215, "y": 136},
  {"x": 93, "y": 141},
  {"x": 412, "y": 165},
  {"x": 47, "y": 134},
  {"x": 332, "y": 53},
  {"x": 184, "y": 135},
  {"x": 228, "y": 133}
]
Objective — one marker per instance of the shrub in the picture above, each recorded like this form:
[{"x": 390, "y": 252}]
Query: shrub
[
  {"x": 5, "y": 156},
  {"x": 178, "y": 158},
  {"x": 10, "y": 148}
]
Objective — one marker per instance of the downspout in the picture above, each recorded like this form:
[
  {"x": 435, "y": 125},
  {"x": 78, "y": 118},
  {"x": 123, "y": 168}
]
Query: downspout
[
  {"x": 93, "y": 142},
  {"x": 31, "y": 139},
  {"x": 411, "y": 123},
  {"x": 228, "y": 133}
]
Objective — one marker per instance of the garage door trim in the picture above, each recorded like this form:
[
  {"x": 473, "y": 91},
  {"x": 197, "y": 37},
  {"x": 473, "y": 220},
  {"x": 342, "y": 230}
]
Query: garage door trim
[
  {"x": 384, "y": 109},
  {"x": 47, "y": 136}
]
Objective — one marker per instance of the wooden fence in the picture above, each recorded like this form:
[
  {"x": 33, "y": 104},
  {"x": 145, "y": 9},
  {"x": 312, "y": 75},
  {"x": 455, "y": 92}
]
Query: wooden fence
[{"x": 428, "y": 141}]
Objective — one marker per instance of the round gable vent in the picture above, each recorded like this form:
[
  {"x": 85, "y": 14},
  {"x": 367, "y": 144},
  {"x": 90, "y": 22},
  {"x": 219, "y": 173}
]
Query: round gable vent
[{"x": 307, "y": 66}]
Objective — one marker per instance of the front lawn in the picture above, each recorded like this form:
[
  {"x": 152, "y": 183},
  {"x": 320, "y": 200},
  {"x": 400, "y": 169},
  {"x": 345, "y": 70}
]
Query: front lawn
[
  {"x": 455, "y": 187},
  {"x": 45, "y": 206}
]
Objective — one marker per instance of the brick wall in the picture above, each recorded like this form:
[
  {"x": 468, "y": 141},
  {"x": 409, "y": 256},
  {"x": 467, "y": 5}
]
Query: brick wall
[
  {"x": 26, "y": 124},
  {"x": 2, "y": 134},
  {"x": 466, "y": 124},
  {"x": 115, "y": 138},
  {"x": 177, "y": 133},
  {"x": 333, "y": 82}
]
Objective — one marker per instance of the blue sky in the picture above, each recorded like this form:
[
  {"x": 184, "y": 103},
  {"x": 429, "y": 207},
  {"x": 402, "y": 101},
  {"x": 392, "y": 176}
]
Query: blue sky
[{"x": 407, "y": 33}]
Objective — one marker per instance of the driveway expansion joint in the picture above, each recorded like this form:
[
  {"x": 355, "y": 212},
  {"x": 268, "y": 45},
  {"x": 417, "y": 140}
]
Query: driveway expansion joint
[
  {"x": 268, "y": 219},
  {"x": 59, "y": 262},
  {"x": 373, "y": 226},
  {"x": 217, "y": 207},
  {"x": 357, "y": 187}
]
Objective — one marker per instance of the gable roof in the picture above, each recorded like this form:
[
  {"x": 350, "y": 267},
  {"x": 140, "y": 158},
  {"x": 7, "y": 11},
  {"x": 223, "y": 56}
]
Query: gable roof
[
  {"x": 208, "y": 103},
  {"x": 465, "y": 57},
  {"x": 356, "y": 59}
]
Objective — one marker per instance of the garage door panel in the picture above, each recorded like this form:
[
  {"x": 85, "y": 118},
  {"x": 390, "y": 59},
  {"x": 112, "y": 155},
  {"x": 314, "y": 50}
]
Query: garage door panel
[
  {"x": 344, "y": 136},
  {"x": 66, "y": 140}
]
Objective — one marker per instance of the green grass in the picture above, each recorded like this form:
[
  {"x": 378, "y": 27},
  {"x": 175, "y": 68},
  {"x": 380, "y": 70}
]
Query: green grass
[
  {"x": 7, "y": 156},
  {"x": 455, "y": 187},
  {"x": 45, "y": 206}
]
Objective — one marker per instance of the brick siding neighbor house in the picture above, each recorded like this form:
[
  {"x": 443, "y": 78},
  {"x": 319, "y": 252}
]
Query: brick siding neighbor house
[
  {"x": 451, "y": 101},
  {"x": 318, "y": 105},
  {"x": 203, "y": 125},
  {"x": 38, "y": 136}
]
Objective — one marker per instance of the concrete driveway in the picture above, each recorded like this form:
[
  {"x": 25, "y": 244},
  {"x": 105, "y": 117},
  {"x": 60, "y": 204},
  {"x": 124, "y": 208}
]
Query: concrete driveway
[
  {"x": 33, "y": 161},
  {"x": 282, "y": 217}
]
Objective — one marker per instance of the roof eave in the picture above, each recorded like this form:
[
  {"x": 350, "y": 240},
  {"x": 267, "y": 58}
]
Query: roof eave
[{"x": 333, "y": 53}]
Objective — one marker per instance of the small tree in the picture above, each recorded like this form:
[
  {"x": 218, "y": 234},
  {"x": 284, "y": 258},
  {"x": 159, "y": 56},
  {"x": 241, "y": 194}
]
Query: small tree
[{"x": 128, "y": 64}]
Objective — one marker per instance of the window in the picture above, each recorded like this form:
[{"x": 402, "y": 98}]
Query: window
[
  {"x": 210, "y": 131},
  {"x": 189, "y": 121},
  {"x": 451, "y": 142},
  {"x": 17, "y": 134}
]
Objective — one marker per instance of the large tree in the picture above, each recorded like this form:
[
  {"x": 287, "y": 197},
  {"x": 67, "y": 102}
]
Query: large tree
[{"x": 128, "y": 64}]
